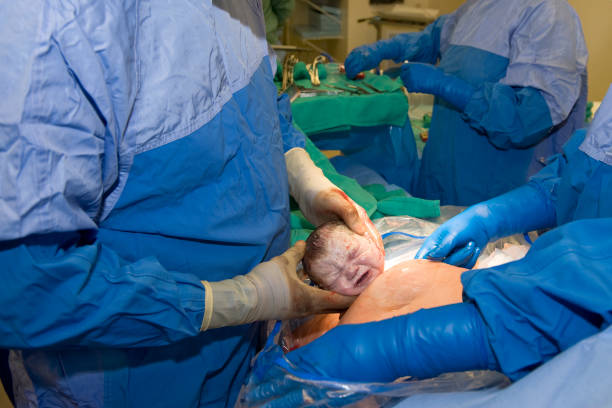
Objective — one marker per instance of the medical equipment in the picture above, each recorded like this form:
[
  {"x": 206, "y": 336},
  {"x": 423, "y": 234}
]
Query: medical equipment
[
  {"x": 313, "y": 71},
  {"x": 288, "y": 67}
]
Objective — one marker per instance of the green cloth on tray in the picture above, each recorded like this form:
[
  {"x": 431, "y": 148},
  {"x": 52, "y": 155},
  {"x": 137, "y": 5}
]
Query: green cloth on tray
[{"x": 325, "y": 112}]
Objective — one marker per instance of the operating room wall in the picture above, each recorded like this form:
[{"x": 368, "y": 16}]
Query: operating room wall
[
  {"x": 363, "y": 33},
  {"x": 596, "y": 17},
  {"x": 445, "y": 6}
]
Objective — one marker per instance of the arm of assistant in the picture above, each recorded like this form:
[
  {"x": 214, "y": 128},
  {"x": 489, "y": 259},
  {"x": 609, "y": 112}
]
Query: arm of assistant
[
  {"x": 548, "y": 301},
  {"x": 318, "y": 198},
  {"x": 58, "y": 293},
  {"x": 533, "y": 206},
  {"x": 423, "y": 46},
  {"x": 540, "y": 87},
  {"x": 460, "y": 240},
  {"x": 421, "y": 344}
]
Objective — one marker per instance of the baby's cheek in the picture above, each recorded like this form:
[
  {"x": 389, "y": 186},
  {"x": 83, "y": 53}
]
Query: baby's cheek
[
  {"x": 375, "y": 260},
  {"x": 342, "y": 287},
  {"x": 380, "y": 262}
]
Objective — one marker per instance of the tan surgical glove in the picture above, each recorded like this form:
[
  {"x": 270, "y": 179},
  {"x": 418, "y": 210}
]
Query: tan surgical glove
[
  {"x": 272, "y": 290},
  {"x": 319, "y": 199}
]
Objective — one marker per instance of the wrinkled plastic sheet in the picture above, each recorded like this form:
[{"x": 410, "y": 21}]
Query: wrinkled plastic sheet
[{"x": 403, "y": 236}]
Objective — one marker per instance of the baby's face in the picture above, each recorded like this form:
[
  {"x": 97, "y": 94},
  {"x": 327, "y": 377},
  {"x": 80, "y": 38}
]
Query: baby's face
[{"x": 347, "y": 262}]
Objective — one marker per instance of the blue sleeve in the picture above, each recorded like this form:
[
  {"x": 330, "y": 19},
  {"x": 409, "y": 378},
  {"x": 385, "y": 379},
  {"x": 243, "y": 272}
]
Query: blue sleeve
[
  {"x": 292, "y": 137},
  {"x": 545, "y": 77},
  {"x": 576, "y": 183},
  {"x": 509, "y": 116},
  {"x": 548, "y": 53},
  {"x": 549, "y": 178},
  {"x": 55, "y": 292},
  {"x": 543, "y": 304},
  {"x": 422, "y": 46}
]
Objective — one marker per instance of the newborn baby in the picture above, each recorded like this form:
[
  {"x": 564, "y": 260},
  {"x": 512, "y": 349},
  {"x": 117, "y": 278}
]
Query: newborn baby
[
  {"x": 405, "y": 288},
  {"x": 339, "y": 260}
]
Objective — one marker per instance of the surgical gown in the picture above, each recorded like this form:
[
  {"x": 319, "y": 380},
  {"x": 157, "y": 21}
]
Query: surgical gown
[
  {"x": 562, "y": 289},
  {"x": 527, "y": 63},
  {"x": 140, "y": 152}
]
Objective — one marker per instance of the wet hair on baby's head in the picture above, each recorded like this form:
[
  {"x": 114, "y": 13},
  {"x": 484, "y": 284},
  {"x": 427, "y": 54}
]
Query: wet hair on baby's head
[{"x": 318, "y": 243}]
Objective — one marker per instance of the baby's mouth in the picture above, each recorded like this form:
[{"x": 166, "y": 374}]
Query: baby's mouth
[{"x": 363, "y": 279}]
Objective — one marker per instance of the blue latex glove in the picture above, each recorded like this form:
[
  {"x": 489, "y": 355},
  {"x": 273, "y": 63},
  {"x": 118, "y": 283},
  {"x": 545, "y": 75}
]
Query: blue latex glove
[
  {"x": 460, "y": 240},
  {"x": 427, "y": 78},
  {"x": 421, "y": 46},
  {"x": 370, "y": 55},
  {"x": 422, "y": 344}
]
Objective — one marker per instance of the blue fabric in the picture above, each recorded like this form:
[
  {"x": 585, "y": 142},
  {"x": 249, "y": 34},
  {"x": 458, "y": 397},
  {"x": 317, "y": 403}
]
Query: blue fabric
[
  {"x": 574, "y": 185},
  {"x": 521, "y": 31},
  {"x": 292, "y": 137},
  {"x": 578, "y": 185},
  {"x": 527, "y": 63},
  {"x": 598, "y": 143},
  {"x": 560, "y": 292},
  {"x": 134, "y": 164},
  {"x": 421, "y": 344},
  {"x": 511, "y": 117},
  {"x": 423, "y": 46},
  {"x": 388, "y": 150},
  {"x": 576, "y": 378},
  {"x": 557, "y": 295},
  {"x": 160, "y": 306},
  {"x": 425, "y": 78}
]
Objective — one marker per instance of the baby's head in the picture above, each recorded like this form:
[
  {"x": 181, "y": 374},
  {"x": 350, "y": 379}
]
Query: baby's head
[{"x": 337, "y": 259}]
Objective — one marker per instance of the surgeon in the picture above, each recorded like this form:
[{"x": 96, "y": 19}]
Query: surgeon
[
  {"x": 515, "y": 316},
  {"x": 510, "y": 88},
  {"x": 145, "y": 172},
  {"x": 276, "y": 13}
]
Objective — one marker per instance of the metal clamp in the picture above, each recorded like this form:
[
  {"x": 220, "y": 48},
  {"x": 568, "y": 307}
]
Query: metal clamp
[
  {"x": 313, "y": 71},
  {"x": 288, "y": 65}
]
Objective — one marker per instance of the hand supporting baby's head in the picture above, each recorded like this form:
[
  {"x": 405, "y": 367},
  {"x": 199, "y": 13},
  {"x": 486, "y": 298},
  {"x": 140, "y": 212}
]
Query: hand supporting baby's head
[{"x": 337, "y": 259}]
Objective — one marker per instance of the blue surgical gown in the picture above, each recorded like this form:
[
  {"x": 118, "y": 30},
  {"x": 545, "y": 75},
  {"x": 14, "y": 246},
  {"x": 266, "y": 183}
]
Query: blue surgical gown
[
  {"x": 141, "y": 151},
  {"x": 561, "y": 292},
  {"x": 527, "y": 63}
]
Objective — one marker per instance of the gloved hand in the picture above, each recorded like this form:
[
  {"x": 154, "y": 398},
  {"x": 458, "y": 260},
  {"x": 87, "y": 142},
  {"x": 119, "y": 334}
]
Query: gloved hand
[
  {"x": 319, "y": 199},
  {"x": 369, "y": 56},
  {"x": 460, "y": 240},
  {"x": 421, "y": 46},
  {"x": 399, "y": 48},
  {"x": 271, "y": 291},
  {"x": 429, "y": 79},
  {"x": 422, "y": 344}
]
